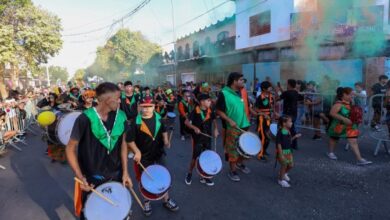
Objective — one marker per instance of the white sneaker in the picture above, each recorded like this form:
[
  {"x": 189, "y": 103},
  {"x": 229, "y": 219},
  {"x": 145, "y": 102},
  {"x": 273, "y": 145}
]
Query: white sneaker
[
  {"x": 332, "y": 156},
  {"x": 286, "y": 177},
  {"x": 283, "y": 183},
  {"x": 363, "y": 162},
  {"x": 183, "y": 138}
]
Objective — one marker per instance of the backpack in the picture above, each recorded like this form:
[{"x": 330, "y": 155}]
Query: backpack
[{"x": 356, "y": 114}]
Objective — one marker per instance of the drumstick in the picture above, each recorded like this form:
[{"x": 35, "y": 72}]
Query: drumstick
[
  {"x": 215, "y": 144},
  {"x": 243, "y": 131},
  {"x": 97, "y": 193},
  {"x": 136, "y": 197},
  {"x": 142, "y": 166},
  {"x": 205, "y": 134}
]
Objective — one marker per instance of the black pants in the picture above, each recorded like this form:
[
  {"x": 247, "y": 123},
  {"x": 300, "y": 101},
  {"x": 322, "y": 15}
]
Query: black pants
[{"x": 183, "y": 127}]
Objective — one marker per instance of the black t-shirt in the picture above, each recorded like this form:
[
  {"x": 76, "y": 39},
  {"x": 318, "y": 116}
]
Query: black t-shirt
[
  {"x": 264, "y": 102},
  {"x": 94, "y": 159},
  {"x": 151, "y": 150},
  {"x": 205, "y": 126},
  {"x": 378, "y": 89},
  {"x": 283, "y": 139},
  {"x": 130, "y": 110},
  {"x": 290, "y": 102}
]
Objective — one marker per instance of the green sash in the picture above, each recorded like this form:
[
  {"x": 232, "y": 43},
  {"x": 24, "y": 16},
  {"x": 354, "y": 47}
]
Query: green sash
[
  {"x": 235, "y": 108},
  {"x": 108, "y": 140}
]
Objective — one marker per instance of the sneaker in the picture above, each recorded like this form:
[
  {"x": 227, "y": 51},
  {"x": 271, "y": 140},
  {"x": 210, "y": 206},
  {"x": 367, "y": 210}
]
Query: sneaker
[
  {"x": 147, "y": 208},
  {"x": 234, "y": 176},
  {"x": 286, "y": 177},
  {"x": 171, "y": 205},
  {"x": 188, "y": 179},
  {"x": 363, "y": 162},
  {"x": 183, "y": 138},
  {"x": 317, "y": 138},
  {"x": 243, "y": 168},
  {"x": 208, "y": 182},
  {"x": 332, "y": 156},
  {"x": 376, "y": 128},
  {"x": 284, "y": 183}
]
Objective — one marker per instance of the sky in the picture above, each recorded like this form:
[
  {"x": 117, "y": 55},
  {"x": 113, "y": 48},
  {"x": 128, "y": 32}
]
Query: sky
[{"x": 154, "y": 21}]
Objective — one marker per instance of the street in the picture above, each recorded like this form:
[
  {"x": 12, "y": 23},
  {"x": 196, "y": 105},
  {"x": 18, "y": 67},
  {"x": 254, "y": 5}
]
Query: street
[{"x": 32, "y": 187}]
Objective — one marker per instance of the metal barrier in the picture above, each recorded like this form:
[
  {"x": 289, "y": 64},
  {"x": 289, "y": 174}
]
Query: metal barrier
[
  {"x": 19, "y": 118},
  {"x": 379, "y": 121}
]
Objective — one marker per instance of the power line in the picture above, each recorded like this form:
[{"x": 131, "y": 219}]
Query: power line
[{"x": 139, "y": 7}]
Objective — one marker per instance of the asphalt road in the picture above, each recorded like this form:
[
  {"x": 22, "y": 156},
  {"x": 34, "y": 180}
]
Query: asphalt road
[{"x": 31, "y": 187}]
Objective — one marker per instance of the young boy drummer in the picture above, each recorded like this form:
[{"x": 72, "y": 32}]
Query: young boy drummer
[
  {"x": 146, "y": 138},
  {"x": 200, "y": 121}
]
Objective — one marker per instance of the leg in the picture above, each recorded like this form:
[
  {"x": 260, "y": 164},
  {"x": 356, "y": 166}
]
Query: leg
[
  {"x": 355, "y": 148},
  {"x": 294, "y": 144},
  {"x": 332, "y": 144}
]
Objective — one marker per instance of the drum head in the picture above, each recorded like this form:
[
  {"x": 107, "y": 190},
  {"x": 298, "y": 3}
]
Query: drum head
[
  {"x": 250, "y": 144},
  {"x": 161, "y": 179},
  {"x": 210, "y": 162},
  {"x": 274, "y": 129},
  {"x": 171, "y": 115},
  {"x": 65, "y": 126},
  {"x": 99, "y": 209}
]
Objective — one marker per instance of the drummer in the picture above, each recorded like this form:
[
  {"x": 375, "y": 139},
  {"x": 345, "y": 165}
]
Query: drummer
[
  {"x": 201, "y": 119},
  {"x": 232, "y": 106},
  {"x": 93, "y": 158},
  {"x": 129, "y": 101},
  {"x": 185, "y": 107},
  {"x": 264, "y": 108},
  {"x": 147, "y": 138}
]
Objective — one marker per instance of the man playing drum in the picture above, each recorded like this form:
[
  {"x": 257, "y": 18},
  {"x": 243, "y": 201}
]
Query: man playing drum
[
  {"x": 232, "y": 107},
  {"x": 94, "y": 149},
  {"x": 146, "y": 138},
  {"x": 201, "y": 120}
]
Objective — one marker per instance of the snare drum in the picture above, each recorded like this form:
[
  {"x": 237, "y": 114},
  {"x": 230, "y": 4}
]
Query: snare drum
[
  {"x": 248, "y": 145},
  {"x": 157, "y": 187},
  {"x": 208, "y": 164},
  {"x": 59, "y": 132},
  {"x": 98, "y": 209}
]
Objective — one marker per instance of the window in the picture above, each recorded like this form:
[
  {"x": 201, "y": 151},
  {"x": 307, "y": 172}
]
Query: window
[
  {"x": 223, "y": 35},
  {"x": 180, "y": 54},
  {"x": 195, "y": 48},
  {"x": 187, "y": 52},
  {"x": 260, "y": 24}
]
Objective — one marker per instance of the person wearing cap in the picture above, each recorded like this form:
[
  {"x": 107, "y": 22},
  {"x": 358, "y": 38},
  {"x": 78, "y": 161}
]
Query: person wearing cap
[
  {"x": 201, "y": 119},
  {"x": 233, "y": 108},
  {"x": 147, "y": 138},
  {"x": 95, "y": 149},
  {"x": 88, "y": 100},
  {"x": 129, "y": 101},
  {"x": 170, "y": 100},
  {"x": 74, "y": 97},
  {"x": 185, "y": 106}
]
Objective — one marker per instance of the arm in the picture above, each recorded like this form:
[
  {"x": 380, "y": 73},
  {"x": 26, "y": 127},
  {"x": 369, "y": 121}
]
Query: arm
[
  {"x": 189, "y": 125},
  {"x": 71, "y": 155},
  {"x": 226, "y": 118},
  {"x": 334, "y": 113},
  {"x": 124, "y": 158}
]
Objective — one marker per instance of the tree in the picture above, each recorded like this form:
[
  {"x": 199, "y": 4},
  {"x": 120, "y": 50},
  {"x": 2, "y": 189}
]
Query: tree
[
  {"x": 79, "y": 74},
  {"x": 28, "y": 36},
  {"x": 122, "y": 55},
  {"x": 58, "y": 73}
]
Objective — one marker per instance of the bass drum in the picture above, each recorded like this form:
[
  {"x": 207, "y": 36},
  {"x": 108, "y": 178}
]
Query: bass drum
[{"x": 59, "y": 132}]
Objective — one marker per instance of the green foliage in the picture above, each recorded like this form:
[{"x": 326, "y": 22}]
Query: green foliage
[
  {"x": 123, "y": 54},
  {"x": 79, "y": 75}
]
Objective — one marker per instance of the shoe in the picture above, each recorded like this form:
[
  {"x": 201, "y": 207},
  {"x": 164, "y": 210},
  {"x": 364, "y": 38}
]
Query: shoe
[
  {"x": 363, "y": 162},
  {"x": 147, "y": 208},
  {"x": 376, "y": 128},
  {"x": 171, "y": 205},
  {"x": 317, "y": 138},
  {"x": 234, "y": 176},
  {"x": 243, "y": 168},
  {"x": 183, "y": 138},
  {"x": 284, "y": 183},
  {"x": 188, "y": 179},
  {"x": 263, "y": 158},
  {"x": 286, "y": 177},
  {"x": 332, "y": 156},
  {"x": 208, "y": 182}
]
